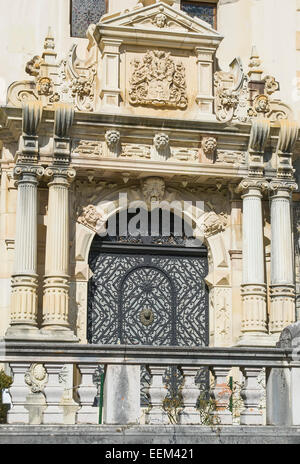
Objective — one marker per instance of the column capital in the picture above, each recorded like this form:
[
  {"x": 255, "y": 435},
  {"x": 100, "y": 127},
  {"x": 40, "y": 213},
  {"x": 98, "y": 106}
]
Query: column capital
[
  {"x": 66, "y": 173},
  {"x": 260, "y": 185},
  {"x": 279, "y": 187},
  {"x": 22, "y": 172}
]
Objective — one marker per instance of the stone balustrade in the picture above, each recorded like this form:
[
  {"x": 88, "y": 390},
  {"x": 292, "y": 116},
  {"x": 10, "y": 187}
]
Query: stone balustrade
[{"x": 55, "y": 384}]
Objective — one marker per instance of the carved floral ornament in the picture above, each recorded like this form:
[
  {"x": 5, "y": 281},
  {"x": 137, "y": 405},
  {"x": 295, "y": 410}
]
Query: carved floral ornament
[
  {"x": 90, "y": 217},
  {"x": 242, "y": 97},
  {"x": 36, "y": 378},
  {"x": 72, "y": 80},
  {"x": 157, "y": 80}
]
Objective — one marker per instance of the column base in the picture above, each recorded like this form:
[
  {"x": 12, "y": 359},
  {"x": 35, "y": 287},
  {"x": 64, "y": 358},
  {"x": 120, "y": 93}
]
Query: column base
[
  {"x": 283, "y": 308},
  {"x": 22, "y": 332},
  {"x": 256, "y": 339},
  {"x": 58, "y": 334}
]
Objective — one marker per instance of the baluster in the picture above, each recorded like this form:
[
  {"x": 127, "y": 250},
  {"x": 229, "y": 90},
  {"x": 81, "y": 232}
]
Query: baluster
[
  {"x": 190, "y": 394},
  {"x": 157, "y": 392},
  {"x": 54, "y": 389},
  {"x": 18, "y": 414},
  {"x": 221, "y": 394},
  {"x": 251, "y": 394},
  {"x": 87, "y": 391}
]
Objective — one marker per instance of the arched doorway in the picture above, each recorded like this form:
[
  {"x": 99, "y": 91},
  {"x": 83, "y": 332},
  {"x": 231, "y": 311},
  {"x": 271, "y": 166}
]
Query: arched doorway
[{"x": 148, "y": 289}]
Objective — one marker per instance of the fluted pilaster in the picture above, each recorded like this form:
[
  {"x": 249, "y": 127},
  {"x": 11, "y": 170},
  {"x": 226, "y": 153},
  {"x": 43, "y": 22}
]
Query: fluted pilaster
[
  {"x": 56, "y": 281},
  {"x": 254, "y": 319},
  {"x": 282, "y": 289}
]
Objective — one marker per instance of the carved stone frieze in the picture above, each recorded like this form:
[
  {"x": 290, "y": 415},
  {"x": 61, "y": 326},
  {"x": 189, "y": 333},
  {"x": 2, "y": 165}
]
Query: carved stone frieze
[
  {"x": 88, "y": 148},
  {"x": 36, "y": 378},
  {"x": 158, "y": 80},
  {"x": 235, "y": 158},
  {"x": 130, "y": 150},
  {"x": 184, "y": 154}
]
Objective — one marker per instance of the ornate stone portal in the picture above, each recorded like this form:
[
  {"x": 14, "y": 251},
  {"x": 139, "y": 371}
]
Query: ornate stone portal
[{"x": 138, "y": 117}]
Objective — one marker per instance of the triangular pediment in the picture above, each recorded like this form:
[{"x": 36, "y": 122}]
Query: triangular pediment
[{"x": 162, "y": 18}]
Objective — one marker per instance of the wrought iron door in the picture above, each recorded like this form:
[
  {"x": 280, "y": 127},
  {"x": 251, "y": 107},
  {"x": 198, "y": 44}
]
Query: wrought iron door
[
  {"x": 148, "y": 299},
  {"x": 151, "y": 291}
]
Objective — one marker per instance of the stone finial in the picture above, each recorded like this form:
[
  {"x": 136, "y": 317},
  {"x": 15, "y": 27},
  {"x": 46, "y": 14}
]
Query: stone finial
[
  {"x": 255, "y": 71},
  {"x": 49, "y": 43},
  {"x": 49, "y": 55}
]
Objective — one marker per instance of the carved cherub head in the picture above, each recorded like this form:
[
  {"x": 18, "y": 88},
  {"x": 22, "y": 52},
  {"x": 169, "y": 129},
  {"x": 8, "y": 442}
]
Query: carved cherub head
[
  {"x": 160, "y": 20},
  {"x": 262, "y": 104},
  {"x": 44, "y": 86}
]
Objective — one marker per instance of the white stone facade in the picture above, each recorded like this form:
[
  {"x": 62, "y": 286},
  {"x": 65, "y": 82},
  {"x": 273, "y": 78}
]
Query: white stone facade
[{"x": 138, "y": 100}]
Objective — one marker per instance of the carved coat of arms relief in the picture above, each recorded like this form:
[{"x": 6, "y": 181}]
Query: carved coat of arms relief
[{"x": 157, "y": 80}]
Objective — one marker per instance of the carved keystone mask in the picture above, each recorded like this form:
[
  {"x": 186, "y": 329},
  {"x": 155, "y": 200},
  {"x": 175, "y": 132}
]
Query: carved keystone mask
[{"x": 153, "y": 189}]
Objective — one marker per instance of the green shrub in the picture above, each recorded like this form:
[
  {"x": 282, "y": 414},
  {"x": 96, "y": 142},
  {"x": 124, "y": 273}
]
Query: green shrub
[{"x": 5, "y": 382}]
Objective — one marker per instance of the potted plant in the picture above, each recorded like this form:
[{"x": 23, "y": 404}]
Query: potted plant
[{"x": 5, "y": 382}]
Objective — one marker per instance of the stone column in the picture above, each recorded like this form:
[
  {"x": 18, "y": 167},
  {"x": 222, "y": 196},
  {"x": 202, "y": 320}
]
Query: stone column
[
  {"x": 254, "y": 318},
  {"x": 56, "y": 281},
  {"x": 25, "y": 279},
  {"x": 282, "y": 288}
]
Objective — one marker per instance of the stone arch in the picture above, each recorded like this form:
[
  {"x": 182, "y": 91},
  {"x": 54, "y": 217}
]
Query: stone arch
[{"x": 216, "y": 239}]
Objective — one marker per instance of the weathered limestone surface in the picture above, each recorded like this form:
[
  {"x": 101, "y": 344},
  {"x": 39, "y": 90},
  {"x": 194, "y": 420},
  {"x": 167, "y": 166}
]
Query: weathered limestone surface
[{"x": 148, "y": 435}]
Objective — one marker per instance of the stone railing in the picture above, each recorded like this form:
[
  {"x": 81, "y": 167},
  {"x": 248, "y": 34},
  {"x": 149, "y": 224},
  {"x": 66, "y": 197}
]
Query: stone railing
[{"x": 54, "y": 384}]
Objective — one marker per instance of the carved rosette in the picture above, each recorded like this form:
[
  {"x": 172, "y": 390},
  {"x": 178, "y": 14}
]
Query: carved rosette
[
  {"x": 36, "y": 378},
  {"x": 157, "y": 80}
]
